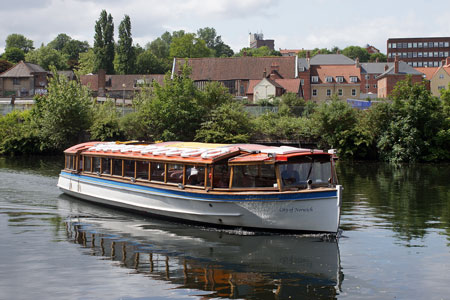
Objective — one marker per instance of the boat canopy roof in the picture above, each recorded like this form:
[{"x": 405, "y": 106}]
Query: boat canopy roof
[{"x": 192, "y": 152}]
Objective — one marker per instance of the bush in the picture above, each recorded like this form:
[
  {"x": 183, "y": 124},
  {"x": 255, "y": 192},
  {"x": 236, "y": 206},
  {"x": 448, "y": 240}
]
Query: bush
[
  {"x": 106, "y": 124},
  {"x": 17, "y": 136}
]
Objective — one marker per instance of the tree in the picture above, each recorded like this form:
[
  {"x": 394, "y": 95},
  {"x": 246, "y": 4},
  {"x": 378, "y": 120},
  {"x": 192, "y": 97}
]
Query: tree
[
  {"x": 63, "y": 116},
  {"x": 14, "y": 54},
  {"x": 214, "y": 42},
  {"x": 354, "y": 52},
  {"x": 229, "y": 123},
  {"x": 104, "y": 43},
  {"x": 106, "y": 122},
  {"x": 315, "y": 51},
  {"x": 147, "y": 63},
  {"x": 188, "y": 46},
  {"x": 126, "y": 58},
  {"x": 380, "y": 56},
  {"x": 86, "y": 63},
  {"x": 60, "y": 41},
  {"x": 5, "y": 65},
  {"x": 46, "y": 56},
  {"x": 258, "y": 52},
  {"x": 160, "y": 48},
  {"x": 16, "y": 40}
]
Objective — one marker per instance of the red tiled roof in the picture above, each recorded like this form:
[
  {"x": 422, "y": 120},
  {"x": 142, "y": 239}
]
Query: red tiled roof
[
  {"x": 117, "y": 81},
  {"x": 290, "y": 85},
  {"x": 429, "y": 72},
  {"x": 346, "y": 71},
  {"x": 232, "y": 68},
  {"x": 23, "y": 69}
]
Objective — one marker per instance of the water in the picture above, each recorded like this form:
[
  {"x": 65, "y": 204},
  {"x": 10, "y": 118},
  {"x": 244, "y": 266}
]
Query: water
[{"x": 395, "y": 244}]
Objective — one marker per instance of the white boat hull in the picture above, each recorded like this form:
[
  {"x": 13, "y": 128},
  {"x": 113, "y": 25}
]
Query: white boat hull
[{"x": 310, "y": 211}]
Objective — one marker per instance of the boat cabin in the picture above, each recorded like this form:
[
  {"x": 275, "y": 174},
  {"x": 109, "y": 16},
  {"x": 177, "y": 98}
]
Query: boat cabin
[{"x": 200, "y": 166}]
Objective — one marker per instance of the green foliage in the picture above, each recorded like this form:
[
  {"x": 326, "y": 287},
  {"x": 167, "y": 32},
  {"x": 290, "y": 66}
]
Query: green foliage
[
  {"x": 417, "y": 130},
  {"x": 60, "y": 41},
  {"x": 214, "y": 95},
  {"x": 148, "y": 63},
  {"x": 258, "y": 52},
  {"x": 63, "y": 115},
  {"x": 5, "y": 65},
  {"x": 125, "y": 51},
  {"x": 104, "y": 43},
  {"x": 46, "y": 56},
  {"x": 17, "y": 135},
  {"x": 214, "y": 42},
  {"x": 316, "y": 51},
  {"x": 228, "y": 123},
  {"x": 14, "y": 54},
  {"x": 189, "y": 46},
  {"x": 336, "y": 125},
  {"x": 70, "y": 47},
  {"x": 380, "y": 56},
  {"x": 281, "y": 127},
  {"x": 86, "y": 63},
  {"x": 354, "y": 52},
  {"x": 106, "y": 122},
  {"x": 16, "y": 40}
]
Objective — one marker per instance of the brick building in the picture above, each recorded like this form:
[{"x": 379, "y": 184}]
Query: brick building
[
  {"x": 257, "y": 40},
  {"x": 419, "y": 52}
]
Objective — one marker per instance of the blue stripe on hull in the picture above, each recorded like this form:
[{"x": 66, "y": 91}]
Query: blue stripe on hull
[{"x": 204, "y": 196}]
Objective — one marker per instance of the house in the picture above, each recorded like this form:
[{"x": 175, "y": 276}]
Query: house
[
  {"x": 236, "y": 73},
  {"x": 23, "y": 80},
  {"x": 334, "y": 74},
  {"x": 273, "y": 86},
  {"x": 371, "y": 49},
  {"x": 118, "y": 86},
  {"x": 369, "y": 78},
  {"x": 439, "y": 77},
  {"x": 395, "y": 73}
]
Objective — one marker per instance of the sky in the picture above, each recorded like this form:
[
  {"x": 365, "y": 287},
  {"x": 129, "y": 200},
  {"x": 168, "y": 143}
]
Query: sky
[{"x": 292, "y": 24}]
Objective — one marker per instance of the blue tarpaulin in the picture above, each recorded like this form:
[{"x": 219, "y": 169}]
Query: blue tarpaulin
[{"x": 360, "y": 104}]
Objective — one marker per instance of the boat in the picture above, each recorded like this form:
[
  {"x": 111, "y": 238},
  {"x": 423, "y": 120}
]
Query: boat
[{"x": 233, "y": 185}]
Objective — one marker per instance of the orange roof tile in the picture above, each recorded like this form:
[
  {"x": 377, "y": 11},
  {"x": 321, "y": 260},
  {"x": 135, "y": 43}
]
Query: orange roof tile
[
  {"x": 346, "y": 71},
  {"x": 429, "y": 72}
]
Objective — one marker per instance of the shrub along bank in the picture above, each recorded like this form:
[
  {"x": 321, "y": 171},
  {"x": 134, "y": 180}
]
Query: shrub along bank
[{"x": 414, "y": 126}]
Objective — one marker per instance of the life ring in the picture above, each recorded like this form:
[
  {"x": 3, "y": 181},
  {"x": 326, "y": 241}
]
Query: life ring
[
  {"x": 192, "y": 152},
  {"x": 214, "y": 153}
]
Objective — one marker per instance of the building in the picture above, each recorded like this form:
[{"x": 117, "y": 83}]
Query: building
[
  {"x": 398, "y": 71},
  {"x": 371, "y": 49},
  {"x": 369, "y": 78},
  {"x": 23, "y": 80},
  {"x": 236, "y": 73},
  {"x": 419, "y": 52},
  {"x": 334, "y": 75},
  {"x": 257, "y": 40},
  {"x": 439, "y": 77},
  {"x": 289, "y": 52},
  {"x": 118, "y": 86}
]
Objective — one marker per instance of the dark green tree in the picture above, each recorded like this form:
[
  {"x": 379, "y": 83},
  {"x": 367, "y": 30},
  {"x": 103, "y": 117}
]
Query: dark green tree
[
  {"x": 160, "y": 48},
  {"x": 104, "y": 43},
  {"x": 214, "y": 42},
  {"x": 354, "y": 52},
  {"x": 106, "y": 122},
  {"x": 46, "y": 56},
  {"x": 188, "y": 46},
  {"x": 378, "y": 56},
  {"x": 5, "y": 65},
  {"x": 16, "y": 40},
  {"x": 258, "y": 52},
  {"x": 126, "y": 58},
  {"x": 14, "y": 54},
  {"x": 60, "y": 41},
  {"x": 147, "y": 63}
]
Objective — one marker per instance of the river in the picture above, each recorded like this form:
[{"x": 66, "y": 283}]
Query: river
[{"x": 395, "y": 244}]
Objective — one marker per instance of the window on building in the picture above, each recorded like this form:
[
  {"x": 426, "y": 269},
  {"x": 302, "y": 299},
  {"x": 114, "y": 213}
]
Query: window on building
[
  {"x": 314, "y": 79},
  {"x": 414, "y": 54},
  {"x": 405, "y": 45},
  {"x": 425, "y": 64},
  {"x": 420, "y": 64},
  {"x": 329, "y": 79},
  {"x": 374, "y": 86},
  {"x": 436, "y": 44},
  {"x": 414, "y": 45},
  {"x": 353, "y": 92},
  {"x": 374, "y": 76},
  {"x": 441, "y": 87},
  {"x": 419, "y": 45},
  {"x": 405, "y": 55},
  {"x": 340, "y": 78},
  {"x": 419, "y": 54},
  {"x": 340, "y": 92},
  {"x": 446, "y": 44},
  {"x": 441, "y": 54},
  {"x": 367, "y": 86},
  {"x": 445, "y": 54},
  {"x": 367, "y": 77},
  {"x": 394, "y": 45},
  {"x": 399, "y": 45},
  {"x": 430, "y": 54},
  {"x": 389, "y": 45},
  {"x": 302, "y": 81},
  {"x": 314, "y": 92},
  {"x": 353, "y": 79},
  {"x": 425, "y": 54},
  {"x": 441, "y": 44},
  {"x": 410, "y": 55},
  {"x": 414, "y": 64},
  {"x": 436, "y": 63},
  {"x": 409, "y": 45},
  {"x": 441, "y": 76},
  {"x": 429, "y": 45},
  {"x": 16, "y": 81},
  {"x": 410, "y": 63}
]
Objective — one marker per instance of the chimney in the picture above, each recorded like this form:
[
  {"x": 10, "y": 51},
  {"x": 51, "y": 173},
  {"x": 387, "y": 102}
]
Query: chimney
[
  {"x": 396, "y": 65},
  {"x": 265, "y": 73},
  {"x": 273, "y": 76},
  {"x": 308, "y": 55},
  {"x": 386, "y": 67},
  {"x": 274, "y": 67},
  {"x": 376, "y": 59},
  {"x": 338, "y": 51},
  {"x": 101, "y": 82},
  {"x": 244, "y": 54},
  {"x": 357, "y": 62},
  {"x": 447, "y": 61}
]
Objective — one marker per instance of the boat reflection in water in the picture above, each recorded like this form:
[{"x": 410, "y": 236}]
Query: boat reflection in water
[{"x": 228, "y": 264}]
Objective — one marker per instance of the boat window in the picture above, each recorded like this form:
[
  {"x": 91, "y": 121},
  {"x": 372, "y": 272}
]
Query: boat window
[
  {"x": 70, "y": 161},
  {"x": 129, "y": 168},
  {"x": 157, "y": 171},
  {"x": 117, "y": 167},
  {"x": 106, "y": 165},
  {"x": 175, "y": 173},
  {"x": 87, "y": 163},
  {"x": 96, "y": 164},
  {"x": 195, "y": 175},
  {"x": 254, "y": 176},
  {"x": 221, "y": 175},
  {"x": 142, "y": 169},
  {"x": 295, "y": 173}
]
